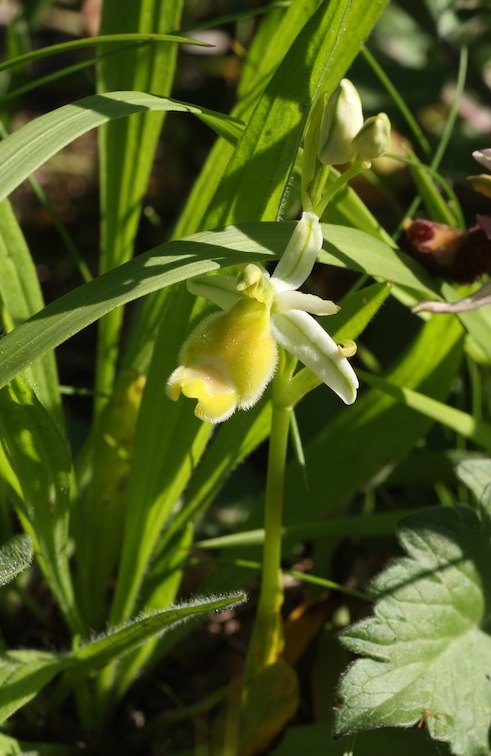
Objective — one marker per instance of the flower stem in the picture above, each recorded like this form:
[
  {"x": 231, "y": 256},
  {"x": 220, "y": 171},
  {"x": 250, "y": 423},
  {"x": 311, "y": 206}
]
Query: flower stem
[
  {"x": 343, "y": 179},
  {"x": 267, "y": 638}
]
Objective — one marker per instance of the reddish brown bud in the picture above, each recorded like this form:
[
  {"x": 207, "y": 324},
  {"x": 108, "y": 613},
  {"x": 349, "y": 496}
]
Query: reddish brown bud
[{"x": 449, "y": 253}]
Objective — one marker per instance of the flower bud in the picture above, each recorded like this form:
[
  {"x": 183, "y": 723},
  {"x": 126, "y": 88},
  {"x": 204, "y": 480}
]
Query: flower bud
[
  {"x": 227, "y": 361},
  {"x": 343, "y": 118},
  {"x": 373, "y": 139}
]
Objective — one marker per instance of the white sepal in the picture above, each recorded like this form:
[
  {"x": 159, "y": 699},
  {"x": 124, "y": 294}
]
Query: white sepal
[
  {"x": 300, "y": 254},
  {"x": 301, "y": 335},
  {"x": 297, "y": 300}
]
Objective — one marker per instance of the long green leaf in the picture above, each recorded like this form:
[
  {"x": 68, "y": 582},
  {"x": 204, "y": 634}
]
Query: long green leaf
[
  {"x": 24, "y": 673},
  {"x": 126, "y": 150},
  {"x": 29, "y": 147},
  {"x": 461, "y": 422},
  {"x": 80, "y": 44},
  {"x": 102, "y": 651}
]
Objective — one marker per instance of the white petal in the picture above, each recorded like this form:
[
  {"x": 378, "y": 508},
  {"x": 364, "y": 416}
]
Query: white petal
[
  {"x": 483, "y": 157},
  {"x": 300, "y": 254},
  {"x": 301, "y": 335},
  {"x": 297, "y": 300},
  {"x": 221, "y": 290}
]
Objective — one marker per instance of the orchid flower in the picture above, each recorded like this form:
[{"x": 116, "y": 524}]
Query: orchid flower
[{"x": 229, "y": 359}]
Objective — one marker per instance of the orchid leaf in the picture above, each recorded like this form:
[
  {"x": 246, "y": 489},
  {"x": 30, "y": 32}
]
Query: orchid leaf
[{"x": 33, "y": 144}]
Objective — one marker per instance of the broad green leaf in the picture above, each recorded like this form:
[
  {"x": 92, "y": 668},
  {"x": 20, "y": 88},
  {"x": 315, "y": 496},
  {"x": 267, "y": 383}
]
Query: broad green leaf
[
  {"x": 179, "y": 260},
  {"x": 22, "y": 675},
  {"x": 427, "y": 649},
  {"x": 257, "y": 175},
  {"x": 476, "y": 474},
  {"x": 33, "y": 144},
  {"x": 15, "y": 556},
  {"x": 21, "y": 297},
  {"x": 40, "y": 459}
]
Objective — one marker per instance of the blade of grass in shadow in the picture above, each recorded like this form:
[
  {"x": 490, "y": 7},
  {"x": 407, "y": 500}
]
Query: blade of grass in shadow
[{"x": 126, "y": 150}]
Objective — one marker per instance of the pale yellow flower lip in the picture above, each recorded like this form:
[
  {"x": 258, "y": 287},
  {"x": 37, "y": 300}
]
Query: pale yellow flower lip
[{"x": 230, "y": 358}]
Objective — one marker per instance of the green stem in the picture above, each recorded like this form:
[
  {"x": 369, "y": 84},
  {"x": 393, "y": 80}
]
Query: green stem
[
  {"x": 343, "y": 179},
  {"x": 266, "y": 641}
]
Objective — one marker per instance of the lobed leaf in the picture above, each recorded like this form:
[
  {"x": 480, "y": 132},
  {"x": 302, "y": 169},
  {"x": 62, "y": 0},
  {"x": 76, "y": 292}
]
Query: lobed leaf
[
  {"x": 33, "y": 144},
  {"x": 427, "y": 650}
]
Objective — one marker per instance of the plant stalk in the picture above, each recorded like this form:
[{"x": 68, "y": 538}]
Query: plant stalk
[{"x": 267, "y": 640}]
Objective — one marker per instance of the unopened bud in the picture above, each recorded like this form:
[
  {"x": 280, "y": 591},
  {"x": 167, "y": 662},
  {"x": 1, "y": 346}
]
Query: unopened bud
[
  {"x": 373, "y": 139},
  {"x": 343, "y": 118}
]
